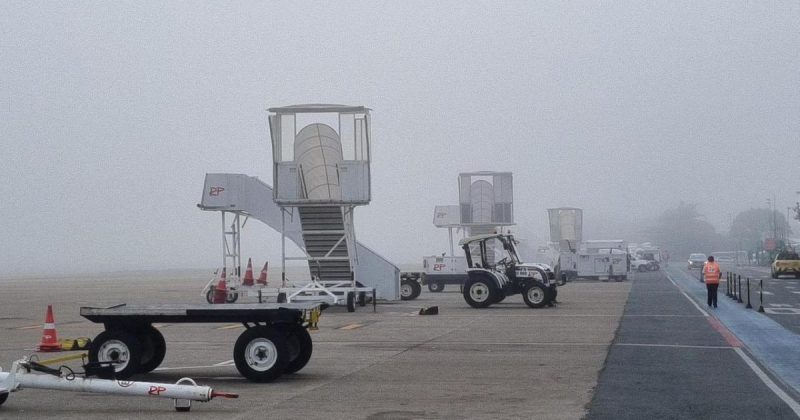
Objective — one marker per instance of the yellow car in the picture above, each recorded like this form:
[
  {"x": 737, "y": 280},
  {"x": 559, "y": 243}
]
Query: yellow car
[{"x": 786, "y": 262}]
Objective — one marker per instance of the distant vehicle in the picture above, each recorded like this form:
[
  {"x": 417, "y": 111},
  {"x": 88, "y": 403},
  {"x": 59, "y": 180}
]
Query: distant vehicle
[
  {"x": 697, "y": 260},
  {"x": 638, "y": 264},
  {"x": 786, "y": 262}
]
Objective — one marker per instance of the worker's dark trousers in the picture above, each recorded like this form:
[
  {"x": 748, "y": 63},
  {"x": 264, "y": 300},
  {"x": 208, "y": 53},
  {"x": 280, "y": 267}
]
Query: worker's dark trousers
[{"x": 712, "y": 294}]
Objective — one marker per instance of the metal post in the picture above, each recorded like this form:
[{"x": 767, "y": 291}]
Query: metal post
[
  {"x": 761, "y": 295},
  {"x": 728, "y": 284},
  {"x": 748, "y": 306},
  {"x": 283, "y": 247},
  {"x": 740, "y": 289},
  {"x": 450, "y": 232},
  {"x": 733, "y": 287}
]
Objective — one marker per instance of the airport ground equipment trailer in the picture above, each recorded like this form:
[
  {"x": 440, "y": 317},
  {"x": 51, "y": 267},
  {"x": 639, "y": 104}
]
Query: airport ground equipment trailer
[
  {"x": 437, "y": 271},
  {"x": 490, "y": 282},
  {"x": 275, "y": 340}
]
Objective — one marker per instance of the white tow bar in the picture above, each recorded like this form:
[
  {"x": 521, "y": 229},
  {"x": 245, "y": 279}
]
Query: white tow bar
[{"x": 19, "y": 378}]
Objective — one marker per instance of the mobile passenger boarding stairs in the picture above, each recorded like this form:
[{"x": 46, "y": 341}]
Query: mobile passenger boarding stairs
[{"x": 321, "y": 174}]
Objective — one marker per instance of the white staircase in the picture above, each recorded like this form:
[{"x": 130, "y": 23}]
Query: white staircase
[{"x": 322, "y": 232}]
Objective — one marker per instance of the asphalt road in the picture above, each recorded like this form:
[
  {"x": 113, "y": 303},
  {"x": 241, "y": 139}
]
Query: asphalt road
[{"x": 670, "y": 359}]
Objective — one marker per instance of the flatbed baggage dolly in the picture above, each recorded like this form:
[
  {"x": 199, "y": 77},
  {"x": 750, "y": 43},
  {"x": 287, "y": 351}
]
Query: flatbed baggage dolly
[{"x": 275, "y": 340}]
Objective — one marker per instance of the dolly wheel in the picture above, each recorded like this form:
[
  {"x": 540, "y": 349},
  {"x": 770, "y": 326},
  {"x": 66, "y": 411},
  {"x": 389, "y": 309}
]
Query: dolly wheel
[
  {"x": 154, "y": 348},
  {"x": 261, "y": 354},
  {"x": 298, "y": 342},
  {"x": 351, "y": 302},
  {"x": 121, "y": 348}
]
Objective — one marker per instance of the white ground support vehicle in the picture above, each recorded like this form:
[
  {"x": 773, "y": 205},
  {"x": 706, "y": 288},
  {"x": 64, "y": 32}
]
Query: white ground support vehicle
[
  {"x": 596, "y": 260},
  {"x": 490, "y": 282},
  {"x": 438, "y": 270}
]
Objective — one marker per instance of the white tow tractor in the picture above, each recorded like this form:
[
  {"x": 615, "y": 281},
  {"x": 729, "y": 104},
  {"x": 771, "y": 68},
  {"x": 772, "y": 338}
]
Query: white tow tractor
[{"x": 490, "y": 283}]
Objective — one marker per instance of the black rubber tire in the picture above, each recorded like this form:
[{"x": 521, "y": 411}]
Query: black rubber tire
[
  {"x": 774, "y": 275},
  {"x": 231, "y": 297},
  {"x": 475, "y": 290},
  {"x": 299, "y": 345},
  {"x": 435, "y": 287},
  {"x": 255, "y": 344},
  {"x": 281, "y": 297},
  {"x": 412, "y": 287},
  {"x": 552, "y": 294},
  {"x": 362, "y": 299},
  {"x": 3, "y": 397},
  {"x": 210, "y": 295},
  {"x": 111, "y": 345},
  {"x": 643, "y": 268},
  {"x": 535, "y": 295},
  {"x": 154, "y": 348},
  {"x": 351, "y": 302}
]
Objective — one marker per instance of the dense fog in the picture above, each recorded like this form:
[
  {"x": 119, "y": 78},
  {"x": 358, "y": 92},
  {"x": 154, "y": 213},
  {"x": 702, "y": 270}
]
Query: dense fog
[{"x": 111, "y": 114}]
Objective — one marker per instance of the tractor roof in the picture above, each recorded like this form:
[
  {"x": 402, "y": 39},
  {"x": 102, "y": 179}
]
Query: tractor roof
[{"x": 484, "y": 237}]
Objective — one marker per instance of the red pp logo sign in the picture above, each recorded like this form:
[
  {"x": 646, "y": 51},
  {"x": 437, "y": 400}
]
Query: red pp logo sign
[{"x": 215, "y": 191}]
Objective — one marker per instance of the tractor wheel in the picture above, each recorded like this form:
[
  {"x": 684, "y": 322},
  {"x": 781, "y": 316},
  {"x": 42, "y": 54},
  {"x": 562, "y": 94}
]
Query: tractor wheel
[
  {"x": 351, "y": 302},
  {"x": 261, "y": 354},
  {"x": 409, "y": 289},
  {"x": 535, "y": 295},
  {"x": 435, "y": 286},
  {"x": 480, "y": 293},
  {"x": 642, "y": 268}
]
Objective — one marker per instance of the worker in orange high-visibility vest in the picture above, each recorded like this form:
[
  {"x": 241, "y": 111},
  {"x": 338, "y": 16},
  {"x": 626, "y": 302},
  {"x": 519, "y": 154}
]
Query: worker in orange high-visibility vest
[{"x": 711, "y": 275}]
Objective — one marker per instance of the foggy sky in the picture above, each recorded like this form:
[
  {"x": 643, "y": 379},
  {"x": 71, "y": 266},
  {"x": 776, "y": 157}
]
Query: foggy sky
[{"x": 111, "y": 114}]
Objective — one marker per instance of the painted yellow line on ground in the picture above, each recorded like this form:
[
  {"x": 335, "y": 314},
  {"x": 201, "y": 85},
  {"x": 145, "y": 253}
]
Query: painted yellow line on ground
[
  {"x": 230, "y": 327},
  {"x": 351, "y": 326}
]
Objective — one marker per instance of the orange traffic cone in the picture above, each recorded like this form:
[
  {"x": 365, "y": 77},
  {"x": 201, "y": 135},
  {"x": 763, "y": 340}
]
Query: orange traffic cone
[
  {"x": 262, "y": 279},
  {"x": 49, "y": 335},
  {"x": 248, "y": 274},
  {"x": 221, "y": 291}
]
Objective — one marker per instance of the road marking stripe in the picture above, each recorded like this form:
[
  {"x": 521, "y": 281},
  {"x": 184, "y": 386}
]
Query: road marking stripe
[
  {"x": 687, "y": 296},
  {"x": 230, "y": 327},
  {"x": 225, "y": 363},
  {"x": 30, "y": 327},
  {"x": 188, "y": 367},
  {"x": 351, "y": 327},
  {"x": 769, "y": 383},
  {"x": 680, "y": 346}
]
